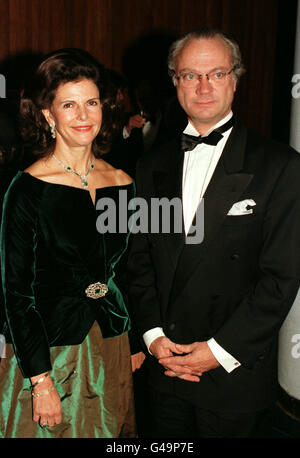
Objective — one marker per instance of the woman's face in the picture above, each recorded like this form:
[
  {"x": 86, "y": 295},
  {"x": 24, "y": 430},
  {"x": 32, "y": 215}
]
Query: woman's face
[{"x": 75, "y": 113}]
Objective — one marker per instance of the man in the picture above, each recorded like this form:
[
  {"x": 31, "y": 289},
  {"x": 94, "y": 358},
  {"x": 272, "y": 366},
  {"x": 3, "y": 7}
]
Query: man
[{"x": 210, "y": 312}]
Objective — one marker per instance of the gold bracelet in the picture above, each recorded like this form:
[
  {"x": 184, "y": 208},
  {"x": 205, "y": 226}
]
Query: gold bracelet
[
  {"x": 40, "y": 380},
  {"x": 43, "y": 393}
]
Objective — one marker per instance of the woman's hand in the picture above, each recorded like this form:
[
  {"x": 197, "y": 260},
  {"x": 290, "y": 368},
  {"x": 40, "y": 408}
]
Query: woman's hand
[
  {"x": 47, "y": 406},
  {"x": 137, "y": 360}
]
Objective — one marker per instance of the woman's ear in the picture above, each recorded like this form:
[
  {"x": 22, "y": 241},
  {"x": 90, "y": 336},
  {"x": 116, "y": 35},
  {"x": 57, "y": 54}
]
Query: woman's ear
[{"x": 48, "y": 116}]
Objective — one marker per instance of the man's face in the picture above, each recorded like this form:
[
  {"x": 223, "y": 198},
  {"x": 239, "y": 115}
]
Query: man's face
[{"x": 206, "y": 103}]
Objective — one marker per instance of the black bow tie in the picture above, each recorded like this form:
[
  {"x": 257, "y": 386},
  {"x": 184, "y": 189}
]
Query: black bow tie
[{"x": 189, "y": 142}]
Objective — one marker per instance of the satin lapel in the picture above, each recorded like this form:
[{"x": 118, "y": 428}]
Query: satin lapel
[
  {"x": 225, "y": 188},
  {"x": 168, "y": 184}
]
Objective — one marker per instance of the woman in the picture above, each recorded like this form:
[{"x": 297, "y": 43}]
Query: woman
[{"x": 65, "y": 314}]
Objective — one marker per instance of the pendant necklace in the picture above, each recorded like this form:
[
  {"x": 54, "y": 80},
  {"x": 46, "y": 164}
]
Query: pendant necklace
[{"x": 83, "y": 179}]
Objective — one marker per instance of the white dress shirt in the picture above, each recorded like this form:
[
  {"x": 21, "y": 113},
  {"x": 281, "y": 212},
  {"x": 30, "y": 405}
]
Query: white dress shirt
[{"x": 198, "y": 168}]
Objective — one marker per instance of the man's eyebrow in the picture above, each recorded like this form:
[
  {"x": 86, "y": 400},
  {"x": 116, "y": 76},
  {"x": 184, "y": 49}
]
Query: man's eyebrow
[{"x": 188, "y": 69}]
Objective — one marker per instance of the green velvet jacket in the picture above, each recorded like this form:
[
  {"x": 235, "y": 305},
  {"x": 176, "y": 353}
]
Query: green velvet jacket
[{"x": 51, "y": 252}]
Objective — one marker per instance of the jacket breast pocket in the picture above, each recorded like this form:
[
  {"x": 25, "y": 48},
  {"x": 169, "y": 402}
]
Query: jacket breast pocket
[
  {"x": 240, "y": 220},
  {"x": 242, "y": 233}
]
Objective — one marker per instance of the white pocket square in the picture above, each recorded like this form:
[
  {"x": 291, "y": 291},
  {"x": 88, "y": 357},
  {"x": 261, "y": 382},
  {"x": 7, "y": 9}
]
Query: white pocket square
[{"x": 240, "y": 208}]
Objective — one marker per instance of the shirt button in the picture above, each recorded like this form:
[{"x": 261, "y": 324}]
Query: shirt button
[{"x": 172, "y": 327}]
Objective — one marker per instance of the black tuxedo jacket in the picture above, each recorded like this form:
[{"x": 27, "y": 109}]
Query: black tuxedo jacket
[{"x": 236, "y": 286}]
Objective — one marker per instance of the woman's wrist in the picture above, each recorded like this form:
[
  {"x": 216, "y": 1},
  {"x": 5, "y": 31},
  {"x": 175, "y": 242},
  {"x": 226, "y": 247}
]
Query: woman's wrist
[
  {"x": 38, "y": 379},
  {"x": 41, "y": 382},
  {"x": 35, "y": 378},
  {"x": 37, "y": 394}
]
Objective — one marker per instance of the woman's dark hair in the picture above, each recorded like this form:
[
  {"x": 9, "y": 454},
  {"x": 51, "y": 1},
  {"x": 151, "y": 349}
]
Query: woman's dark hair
[{"x": 60, "y": 67}]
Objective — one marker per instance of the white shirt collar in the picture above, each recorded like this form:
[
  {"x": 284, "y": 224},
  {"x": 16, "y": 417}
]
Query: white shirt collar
[{"x": 191, "y": 130}]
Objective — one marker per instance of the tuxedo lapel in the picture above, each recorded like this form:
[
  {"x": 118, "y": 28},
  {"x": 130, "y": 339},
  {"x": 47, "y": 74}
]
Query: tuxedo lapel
[
  {"x": 225, "y": 188},
  {"x": 168, "y": 184},
  {"x": 227, "y": 184}
]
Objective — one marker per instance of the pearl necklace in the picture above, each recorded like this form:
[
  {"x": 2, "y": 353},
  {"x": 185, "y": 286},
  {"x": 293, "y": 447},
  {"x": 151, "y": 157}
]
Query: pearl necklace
[{"x": 83, "y": 179}]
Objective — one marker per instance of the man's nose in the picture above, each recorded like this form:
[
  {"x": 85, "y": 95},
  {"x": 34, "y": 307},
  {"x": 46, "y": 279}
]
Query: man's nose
[{"x": 203, "y": 84}]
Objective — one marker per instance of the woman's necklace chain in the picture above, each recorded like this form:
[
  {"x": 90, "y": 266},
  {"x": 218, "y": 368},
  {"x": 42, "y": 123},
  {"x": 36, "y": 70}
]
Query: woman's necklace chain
[{"x": 83, "y": 179}]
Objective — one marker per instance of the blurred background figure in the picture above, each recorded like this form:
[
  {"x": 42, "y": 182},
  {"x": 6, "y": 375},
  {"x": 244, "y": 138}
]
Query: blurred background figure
[{"x": 145, "y": 122}]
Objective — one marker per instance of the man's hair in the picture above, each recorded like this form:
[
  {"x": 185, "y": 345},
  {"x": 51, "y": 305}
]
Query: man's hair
[{"x": 205, "y": 33}]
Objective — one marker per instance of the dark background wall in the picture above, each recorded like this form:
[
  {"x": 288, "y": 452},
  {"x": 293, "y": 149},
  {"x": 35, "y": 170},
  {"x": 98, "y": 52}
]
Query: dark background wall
[{"x": 132, "y": 36}]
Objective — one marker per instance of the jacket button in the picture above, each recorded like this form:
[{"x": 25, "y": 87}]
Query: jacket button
[
  {"x": 172, "y": 327},
  {"x": 235, "y": 257}
]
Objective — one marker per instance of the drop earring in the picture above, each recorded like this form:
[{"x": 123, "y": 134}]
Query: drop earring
[{"x": 52, "y": 131}]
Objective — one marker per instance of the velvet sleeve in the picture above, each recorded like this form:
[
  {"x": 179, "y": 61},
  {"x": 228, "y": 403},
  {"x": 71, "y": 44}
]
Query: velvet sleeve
[{"x": 18, "y": 254}]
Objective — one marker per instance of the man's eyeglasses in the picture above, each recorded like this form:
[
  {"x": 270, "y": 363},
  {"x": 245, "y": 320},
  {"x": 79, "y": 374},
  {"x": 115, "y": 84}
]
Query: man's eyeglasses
[{"x": 190, "y": 79}]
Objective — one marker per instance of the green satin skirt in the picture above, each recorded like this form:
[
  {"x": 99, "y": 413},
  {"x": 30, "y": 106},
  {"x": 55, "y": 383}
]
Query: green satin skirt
[{"x": 94, "y": 382}]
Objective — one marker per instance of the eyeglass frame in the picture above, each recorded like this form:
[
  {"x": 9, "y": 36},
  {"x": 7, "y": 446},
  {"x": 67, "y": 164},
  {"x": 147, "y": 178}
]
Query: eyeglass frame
[{"x": 178, "y": 77}]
